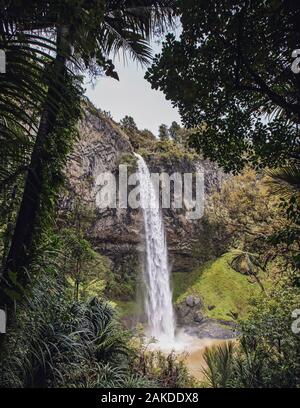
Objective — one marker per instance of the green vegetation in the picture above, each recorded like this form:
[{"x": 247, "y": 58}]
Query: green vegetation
[
  {"x": 182, "y": 281},
  {"x": 170, "y": 370},
  {"x": 168, "y": 151},
  {"x": 219, "y": 368},
  {"x": 138, "y": 138},
  {"x": 164, "y": 151},
  {"x": 83, "y": 37},
  {"x": 245, "y": 98},
  {"x": 267, "y": 353},
  {"x": 129, "y": 160},
  {"x": 242, "y": 102},
  {"x": 241, "y": 109},
  {"x": 220, "y": 286},
  {"x": 127, "y": 308},
  {"x": 163, "y": 132},
  {"x": 59, "y": 334}
]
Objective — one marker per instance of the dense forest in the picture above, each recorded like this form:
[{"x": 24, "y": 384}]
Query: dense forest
[{"x": 72, "y": 277}]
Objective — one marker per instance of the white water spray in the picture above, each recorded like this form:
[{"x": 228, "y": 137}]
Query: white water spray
[{"x": 158, "y": 298}]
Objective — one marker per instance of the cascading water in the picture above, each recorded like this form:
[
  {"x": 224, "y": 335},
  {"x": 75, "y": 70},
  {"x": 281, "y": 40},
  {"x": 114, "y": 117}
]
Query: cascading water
[{"x": 158, "y": 298}]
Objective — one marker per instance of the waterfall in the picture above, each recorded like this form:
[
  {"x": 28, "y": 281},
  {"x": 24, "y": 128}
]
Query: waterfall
[{"x": 158, "y": 296}]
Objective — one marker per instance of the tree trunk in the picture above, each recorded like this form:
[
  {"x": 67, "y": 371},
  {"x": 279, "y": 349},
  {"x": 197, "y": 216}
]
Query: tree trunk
[{"x": 27, "y": 224}]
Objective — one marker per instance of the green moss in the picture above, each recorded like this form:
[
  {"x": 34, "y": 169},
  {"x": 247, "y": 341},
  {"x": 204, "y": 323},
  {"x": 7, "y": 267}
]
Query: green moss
[
  {"x": 219, "y": 286},
  {"x": 127, "y": 308},
  {"x": 181, "y": 281}
]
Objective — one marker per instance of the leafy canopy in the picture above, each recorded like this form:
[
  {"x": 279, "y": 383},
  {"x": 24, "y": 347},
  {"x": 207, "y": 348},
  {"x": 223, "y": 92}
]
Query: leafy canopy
[{"x": 232, "y": 70}]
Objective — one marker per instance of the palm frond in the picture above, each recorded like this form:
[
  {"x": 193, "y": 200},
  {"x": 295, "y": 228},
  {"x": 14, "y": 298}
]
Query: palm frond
[
  {"x": 116, "y": 39},
  {"x": 129, "y": 25},
  {"x": 219, "y": 361},
  {"x": 285, "y": 181}
]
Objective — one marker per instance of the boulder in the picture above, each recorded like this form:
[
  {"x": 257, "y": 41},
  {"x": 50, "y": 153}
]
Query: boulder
[
  {"x": 182, "y": 311},
  {"x": 198, "y": 317},
  {"x": 189, "y": 301},
  {"x": 193, "y": 301},
  {"x": 197, "y": 301},
  {"x": 214, "y": 329}
]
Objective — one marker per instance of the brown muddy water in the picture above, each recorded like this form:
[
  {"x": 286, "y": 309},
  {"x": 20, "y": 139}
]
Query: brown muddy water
[
  {"x": 190, "y": 349},
  {"x": 194, "y": 359}
]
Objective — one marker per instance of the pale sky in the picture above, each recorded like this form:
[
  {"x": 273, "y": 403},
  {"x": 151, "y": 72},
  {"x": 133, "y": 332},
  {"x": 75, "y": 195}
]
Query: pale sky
[{"x": 132, "y": 96}]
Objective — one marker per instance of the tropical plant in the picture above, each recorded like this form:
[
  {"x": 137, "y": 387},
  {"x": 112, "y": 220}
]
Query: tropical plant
[
  {"x": 246, "y": 97},
  {"x": 285, "y": 181},
  {"x": 267, "y": 352},
  {"x": 60, "y": 343},
  {"x": 219, "y": 365},
  {"x": 161, "y": 369},
  {"x": 48, "y": 44}
]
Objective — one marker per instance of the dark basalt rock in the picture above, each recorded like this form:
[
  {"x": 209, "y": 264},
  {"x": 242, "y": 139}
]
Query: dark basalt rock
[
  {"x": 198, "y": 317},
  {"x": 214, "y": 329},
  {"x": 116, "y": 233},
  {"x": 193, "y": 301},
  {"x": 182, "y": 311},
  {"x": 190, "y": 311}
]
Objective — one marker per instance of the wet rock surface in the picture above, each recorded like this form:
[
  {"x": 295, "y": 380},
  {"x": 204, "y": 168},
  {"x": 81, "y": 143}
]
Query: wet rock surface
[
  {"x": 214, "y": 329},
  {"x": 190, "y": 310},
  {"x": 191, "y": 315},
  {"x": 193, "y": 301},
  {"x": 116, "y": 233},
  {"x": 198, "y": 317}
]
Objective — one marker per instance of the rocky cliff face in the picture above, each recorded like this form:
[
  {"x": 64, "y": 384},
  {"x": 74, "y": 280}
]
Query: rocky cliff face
[{"x": 117, "y": 233}]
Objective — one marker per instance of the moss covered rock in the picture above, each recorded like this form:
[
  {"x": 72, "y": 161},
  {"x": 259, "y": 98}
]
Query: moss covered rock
[{"x": 226, "y": 293}]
